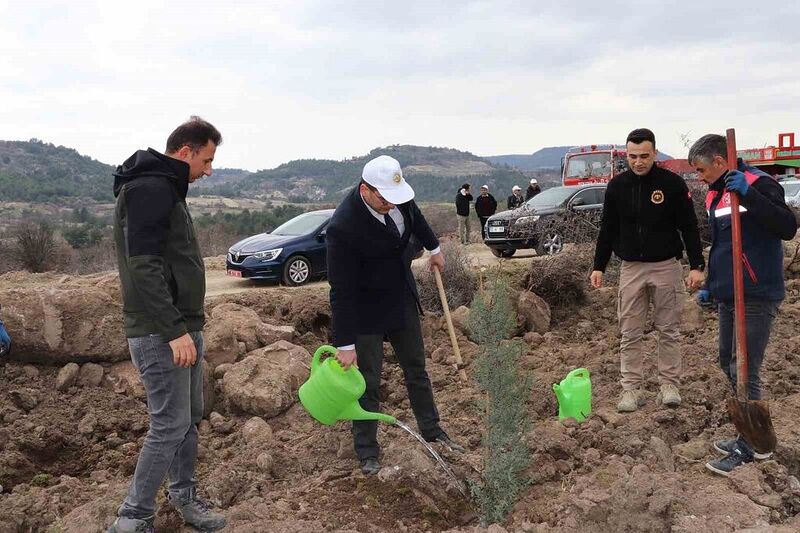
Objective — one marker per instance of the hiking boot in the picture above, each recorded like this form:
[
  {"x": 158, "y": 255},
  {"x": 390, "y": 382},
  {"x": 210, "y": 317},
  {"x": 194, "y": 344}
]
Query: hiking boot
[
  {"x": 444, "y": 440},
  {"x": 669, "y": 395},
  {"x": 726, "y": 465},
  {"x": 629, "y": 401},
  {"x": 195, "y": 511},
  {"x": 131, "y": 525},
  {"x": 727, "y": 446},
  {"x": 370, "y": 466}
]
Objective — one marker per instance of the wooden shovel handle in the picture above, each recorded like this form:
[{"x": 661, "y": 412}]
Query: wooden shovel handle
[
  {"x": 738, "y": 278},
  {"x": 453, "y": 340}
]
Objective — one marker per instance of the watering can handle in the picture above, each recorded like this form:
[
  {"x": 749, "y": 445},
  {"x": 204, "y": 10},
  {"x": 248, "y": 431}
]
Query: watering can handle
[
  {"x": 315, "y": 361},
  {"x": 578, "y": 372}
]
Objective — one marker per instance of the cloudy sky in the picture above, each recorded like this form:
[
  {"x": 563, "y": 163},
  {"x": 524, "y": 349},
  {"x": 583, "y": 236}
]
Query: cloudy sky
[{"x": 334, "y": 79}]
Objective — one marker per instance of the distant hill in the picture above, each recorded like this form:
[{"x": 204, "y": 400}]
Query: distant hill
[
  {"x": 435, "y": 173},
  {"x": 35, "y": 171},
  {"x": 549, "y": 157},
  {"x": 546, "y": 158}
]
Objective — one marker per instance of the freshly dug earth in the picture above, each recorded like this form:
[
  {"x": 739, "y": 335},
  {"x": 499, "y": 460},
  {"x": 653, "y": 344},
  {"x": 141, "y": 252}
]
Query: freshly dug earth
[{"x": 66, "y": 456}]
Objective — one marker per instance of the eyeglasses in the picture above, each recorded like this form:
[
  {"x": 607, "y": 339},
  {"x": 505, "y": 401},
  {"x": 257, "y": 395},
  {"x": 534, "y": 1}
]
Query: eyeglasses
[{"x": 378, "y": 195}]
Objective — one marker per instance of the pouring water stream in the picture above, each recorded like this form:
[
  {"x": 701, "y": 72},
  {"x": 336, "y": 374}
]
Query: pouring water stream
[{"x": 436, "y": 456}]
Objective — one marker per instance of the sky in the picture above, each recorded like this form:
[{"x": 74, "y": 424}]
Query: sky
[{"x": 335, "y": 79}]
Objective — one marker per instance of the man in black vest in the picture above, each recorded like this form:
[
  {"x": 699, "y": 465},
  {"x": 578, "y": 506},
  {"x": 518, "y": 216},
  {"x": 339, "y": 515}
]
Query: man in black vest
[{"x": 372, "y": 238}]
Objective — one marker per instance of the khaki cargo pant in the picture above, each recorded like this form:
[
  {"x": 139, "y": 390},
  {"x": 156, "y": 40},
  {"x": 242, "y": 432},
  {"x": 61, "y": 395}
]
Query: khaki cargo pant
[
  {"x": 641, "y": 284},
  {"x": 463, "y": 229}
]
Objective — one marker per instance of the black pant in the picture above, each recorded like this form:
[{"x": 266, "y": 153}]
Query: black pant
[
  {"x": 410, "y": 352},
  {"x": 758, "y": 319},
  {"x": 483, "y": 226}
]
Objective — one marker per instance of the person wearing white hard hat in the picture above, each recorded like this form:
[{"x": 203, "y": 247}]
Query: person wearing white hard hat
[
  {"x": 516, "y": 199},
  {"x": 533, "y": 189},
  {"x": 485, "y": 206},
  {"x": 371, "y": 240}
]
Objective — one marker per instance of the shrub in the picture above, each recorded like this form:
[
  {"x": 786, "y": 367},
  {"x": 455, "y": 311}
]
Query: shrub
[
  {"x": 458, "y": 280},
  {"x": 506, "y": 422},
  {"x": 35, "y": 244}
]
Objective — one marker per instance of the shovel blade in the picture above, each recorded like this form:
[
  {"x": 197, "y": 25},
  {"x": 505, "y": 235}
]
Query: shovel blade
[{"x": 752, "y": 420}]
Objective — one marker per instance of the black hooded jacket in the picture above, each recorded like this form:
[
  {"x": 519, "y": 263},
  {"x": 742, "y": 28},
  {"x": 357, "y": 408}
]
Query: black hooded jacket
[{"x": 160, "y": 266}]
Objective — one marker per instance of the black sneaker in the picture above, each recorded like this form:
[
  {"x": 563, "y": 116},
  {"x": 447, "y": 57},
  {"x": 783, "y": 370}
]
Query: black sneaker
[
  {"x": 447, "y": 443},
  {"x": 370, "y": 466},
  {"x": 727, "y": 446},
  {"x": 726, "y": 465}
]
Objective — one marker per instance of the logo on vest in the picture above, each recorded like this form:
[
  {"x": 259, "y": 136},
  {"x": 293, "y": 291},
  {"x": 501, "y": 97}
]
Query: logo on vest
[{"x": 657, "y": 197}]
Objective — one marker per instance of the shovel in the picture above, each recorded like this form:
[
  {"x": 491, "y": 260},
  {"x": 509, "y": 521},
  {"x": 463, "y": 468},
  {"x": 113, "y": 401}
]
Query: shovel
[
  {"x": 751, "y": 417},
  {"x": 453, "y": 340}
]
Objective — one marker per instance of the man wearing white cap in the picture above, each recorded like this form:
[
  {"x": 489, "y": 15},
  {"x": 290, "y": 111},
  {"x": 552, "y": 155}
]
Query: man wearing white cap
[
  {"x": 516, "y": 199},
  {"x": 371, "y": 240},
  {"x": 533, "y": 189},
  {"x": 485, "y": 206}
]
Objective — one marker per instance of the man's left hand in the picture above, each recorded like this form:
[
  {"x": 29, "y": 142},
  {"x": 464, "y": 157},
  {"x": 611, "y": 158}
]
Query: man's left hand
[
  {"x": 436, "y": 261},
  {"x": 694, "y": 280},
  {"x": 736, "y": 182}
]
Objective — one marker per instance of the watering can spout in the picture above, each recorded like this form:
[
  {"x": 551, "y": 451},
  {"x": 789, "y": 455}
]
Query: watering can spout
[
  {"x": 354, "y": 411},
  {"x": 559, "y": 393}
]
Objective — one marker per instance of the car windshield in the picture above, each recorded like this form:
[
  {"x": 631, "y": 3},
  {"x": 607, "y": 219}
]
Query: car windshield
[
  {"x": 589, "y": 165},
  {"x": 790, "y": 189},
  {"x": 301, "y": 224},
  {"x": 552, "y": 197}
]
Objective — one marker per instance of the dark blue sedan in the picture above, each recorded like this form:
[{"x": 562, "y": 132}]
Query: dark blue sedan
[{"x": 293, "y": 253}]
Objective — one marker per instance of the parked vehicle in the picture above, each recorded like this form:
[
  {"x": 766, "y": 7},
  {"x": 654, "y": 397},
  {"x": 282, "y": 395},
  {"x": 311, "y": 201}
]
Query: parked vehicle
[
  {"x": 292, "y": 253},
  {"x": 791, "y": 192},
  {"x": 544, "y": 222}
]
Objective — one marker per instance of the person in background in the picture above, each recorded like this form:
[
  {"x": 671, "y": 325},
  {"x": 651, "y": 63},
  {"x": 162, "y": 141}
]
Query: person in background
[
  {"x": 463, "y": 198},
  {"x": 374, "y": 296},
  {"x": 765, "y": 221},
  {"x": 516, "y": 199},
  {"x": 163, "y": 293},
  {"x": 648, "y": 218},
  {"x": 485, "y": 206},
  {"x": 533, "y": 189}
]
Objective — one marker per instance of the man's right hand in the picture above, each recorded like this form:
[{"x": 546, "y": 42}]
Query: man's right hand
[
  {"x": 347, "y": 358},
  {"x": 596, "y": 278},
  {"x": 184, "y": 352}
]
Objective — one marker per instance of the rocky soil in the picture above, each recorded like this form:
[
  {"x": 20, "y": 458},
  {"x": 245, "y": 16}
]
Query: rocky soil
[{"x": 73, "y": 417}]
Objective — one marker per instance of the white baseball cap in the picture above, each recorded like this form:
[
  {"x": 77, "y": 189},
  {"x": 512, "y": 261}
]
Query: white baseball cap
[
  {"x": 384, "y": 173},
  {"x": 516, "y": 188},
  {"x": 533, "y": 181},
  {"x": 485, "y": 187}
]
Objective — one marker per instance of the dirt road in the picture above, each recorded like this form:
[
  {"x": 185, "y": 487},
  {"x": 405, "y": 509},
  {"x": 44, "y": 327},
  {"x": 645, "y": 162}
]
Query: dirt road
[{"x": 218, "y": 282}]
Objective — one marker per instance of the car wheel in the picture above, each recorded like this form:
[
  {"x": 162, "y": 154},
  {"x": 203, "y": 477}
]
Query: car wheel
[
  {"x": 296, "y": 271},
  {"x": 503, "y": 253},
  {"x": 550, "y": 244}
]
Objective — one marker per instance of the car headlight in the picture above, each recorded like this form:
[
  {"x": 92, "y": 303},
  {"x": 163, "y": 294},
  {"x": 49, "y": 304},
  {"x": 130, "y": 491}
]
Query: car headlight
[
  {"x": 268, "y": 255},
  {"x": 527, "y": 220}
]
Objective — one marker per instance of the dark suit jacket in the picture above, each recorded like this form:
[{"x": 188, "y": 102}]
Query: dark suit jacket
[{"x": 369, "y": 268}]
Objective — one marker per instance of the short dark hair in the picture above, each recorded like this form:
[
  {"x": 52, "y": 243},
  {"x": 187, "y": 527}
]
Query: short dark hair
[
  {"x": 640, "y": 135},
  {"x": 707, "y": 147},
  {"x": 194, "y": 133},
  {"x": 465, "y": 186}
]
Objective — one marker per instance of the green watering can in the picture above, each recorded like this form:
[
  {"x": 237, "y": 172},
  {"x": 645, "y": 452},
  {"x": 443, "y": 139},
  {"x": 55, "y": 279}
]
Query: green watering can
[
  {"x": 574, "y": 395},
  {"x": 331, "y": 392}
]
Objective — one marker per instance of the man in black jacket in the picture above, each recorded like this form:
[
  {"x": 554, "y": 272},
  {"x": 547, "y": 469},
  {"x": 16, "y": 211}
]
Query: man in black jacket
[
  {"x": 463, "y": 198},
  {"x": 485, "y": 206},
  {"x": 648, "y": 216},
  {"x": 765, "y": 221},
  {"x": 516, "y": 199},
  {"x": 163, "y": 288},
  {"x": 371, "y": 242},
  {"x": 533, "y": 189}
]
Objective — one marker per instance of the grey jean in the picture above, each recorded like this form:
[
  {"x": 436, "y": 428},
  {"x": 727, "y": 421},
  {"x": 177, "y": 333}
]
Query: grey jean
[{"x": 175, "y": 405}]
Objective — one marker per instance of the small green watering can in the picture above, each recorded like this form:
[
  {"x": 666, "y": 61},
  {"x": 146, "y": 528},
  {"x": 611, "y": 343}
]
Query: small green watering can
[
  {"x": 574, "y": 395},
  {"x": 331, "y": 392}
]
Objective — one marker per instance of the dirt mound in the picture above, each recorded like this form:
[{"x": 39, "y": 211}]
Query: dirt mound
[{"x": 66, "y": 456}]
